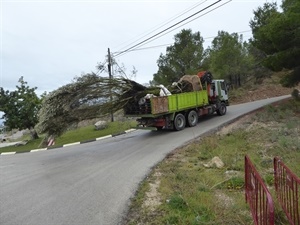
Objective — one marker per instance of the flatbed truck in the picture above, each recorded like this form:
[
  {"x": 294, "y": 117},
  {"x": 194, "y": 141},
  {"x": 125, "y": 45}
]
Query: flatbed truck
[{"x": 177, "y": 111}]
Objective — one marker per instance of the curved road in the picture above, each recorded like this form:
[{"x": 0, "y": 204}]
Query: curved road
[{"x": 91, "y": 183}]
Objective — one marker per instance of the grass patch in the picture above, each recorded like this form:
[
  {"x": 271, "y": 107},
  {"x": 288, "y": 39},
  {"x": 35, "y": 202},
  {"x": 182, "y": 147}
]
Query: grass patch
[
  {"x": 76, "y": 135},
  {"x": 193, "y": 194},
  {"x": 89, "y": 132},
  {"x": 32, "y": 144}
]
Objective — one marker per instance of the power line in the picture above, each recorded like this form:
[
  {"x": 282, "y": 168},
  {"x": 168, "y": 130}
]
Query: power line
[
  {"x": 164, "y": 45},
  {"x": 165, "y": 23},
  {"x": 204, "y": 14},
  {"x": 121, "y": 53},
  {"x": 179, "y": 26},
  {"x": 169, "y": 27}
]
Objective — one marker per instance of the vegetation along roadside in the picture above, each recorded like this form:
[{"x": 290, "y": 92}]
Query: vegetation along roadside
[
  {"x": 75, "y": 135},
  {"x": 189, "y": 188}
]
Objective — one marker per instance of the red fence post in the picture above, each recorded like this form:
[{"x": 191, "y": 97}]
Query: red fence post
[
  {"x": 287, "y": 186},
  {"x": 258, "y": 196}
]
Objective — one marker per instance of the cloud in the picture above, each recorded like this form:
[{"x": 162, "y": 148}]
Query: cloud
[{"x": 50, "y": 42}]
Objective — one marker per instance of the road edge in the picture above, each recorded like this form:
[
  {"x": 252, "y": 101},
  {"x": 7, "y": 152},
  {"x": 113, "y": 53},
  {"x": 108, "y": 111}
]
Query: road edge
[{"x": 70, "y": 144}]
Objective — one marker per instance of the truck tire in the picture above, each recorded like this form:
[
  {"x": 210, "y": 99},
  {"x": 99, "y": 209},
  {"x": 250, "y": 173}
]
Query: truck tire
[
  {"x": 192, "y": 118},
  {"x": 222, "y": 109},
  {"x": 179, "y": 122}
]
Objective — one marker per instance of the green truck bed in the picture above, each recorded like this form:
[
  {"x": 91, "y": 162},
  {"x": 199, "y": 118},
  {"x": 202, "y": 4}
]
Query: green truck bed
[{"x": 168, "y": 104}]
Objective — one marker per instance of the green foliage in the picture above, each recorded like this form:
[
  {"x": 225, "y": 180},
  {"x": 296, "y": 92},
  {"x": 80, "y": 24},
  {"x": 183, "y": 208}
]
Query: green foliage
[
  {"x": 20, "y": 107},
  {"x": 229, "y": 58},
  {"x": 256, "y": 66},
  {"x": 235, "y": 183},
  {"x": 88, "y": 97},
  {"x": 183, "y": 57},
  {"x": 277, "y": 34},
  {"x": 177, "y": 202},
  {"x": 269, "y": 179}
]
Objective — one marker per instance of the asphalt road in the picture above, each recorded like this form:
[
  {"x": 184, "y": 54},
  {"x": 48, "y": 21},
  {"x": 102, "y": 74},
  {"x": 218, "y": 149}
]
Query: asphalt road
[{"x": 92, "y": 183}]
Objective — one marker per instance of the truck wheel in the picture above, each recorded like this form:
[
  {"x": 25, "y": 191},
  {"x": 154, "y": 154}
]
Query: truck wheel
[
  {"x": 179, "y": 122},
  {"x": 222, "y": 109},
  {"x": 192, "y": 118}
]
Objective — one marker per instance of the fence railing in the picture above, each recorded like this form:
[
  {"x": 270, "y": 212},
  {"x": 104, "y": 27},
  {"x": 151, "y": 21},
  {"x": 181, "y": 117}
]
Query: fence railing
[
  {"x": 287, "y": 186},
  {"x": 258, "y": 196}
]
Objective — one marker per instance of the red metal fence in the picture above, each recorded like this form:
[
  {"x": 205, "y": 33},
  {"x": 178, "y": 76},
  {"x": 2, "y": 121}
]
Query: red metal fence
[
  {"x": 258, "y": 196},
  {"x": 287, "y": 186}
]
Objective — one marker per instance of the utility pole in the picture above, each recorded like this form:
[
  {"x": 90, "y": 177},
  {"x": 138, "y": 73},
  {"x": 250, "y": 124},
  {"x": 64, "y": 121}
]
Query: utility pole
[{"x": 110, "y": 77}]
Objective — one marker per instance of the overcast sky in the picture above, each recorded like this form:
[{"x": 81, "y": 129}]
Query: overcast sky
[{"x": 50, "y": 42}]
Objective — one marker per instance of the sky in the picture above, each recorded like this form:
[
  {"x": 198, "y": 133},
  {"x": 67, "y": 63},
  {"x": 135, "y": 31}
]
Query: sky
[{"x": 49, "y": 42}]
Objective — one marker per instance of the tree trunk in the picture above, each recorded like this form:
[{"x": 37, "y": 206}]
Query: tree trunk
[
  {"x": 230, "y": 80},
  {"x": 236, "y": 81},
  {"x": 239, "y": 80},
  {"x": 33, "y": 134},
  {"x": 43, "y": 143}
]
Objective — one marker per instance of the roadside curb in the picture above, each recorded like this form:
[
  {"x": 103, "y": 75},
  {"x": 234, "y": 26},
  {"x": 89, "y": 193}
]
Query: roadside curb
[{"x": 70, "y": 144}]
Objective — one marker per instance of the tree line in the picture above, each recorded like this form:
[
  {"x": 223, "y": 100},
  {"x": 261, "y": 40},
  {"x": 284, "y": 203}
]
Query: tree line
[
  {"x": 228, "y": 57},
  {"x": 275, "y": 46}
]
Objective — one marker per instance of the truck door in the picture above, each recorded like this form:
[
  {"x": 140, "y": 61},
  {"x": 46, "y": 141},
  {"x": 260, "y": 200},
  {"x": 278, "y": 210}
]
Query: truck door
[{"x": 224, "y": 91}]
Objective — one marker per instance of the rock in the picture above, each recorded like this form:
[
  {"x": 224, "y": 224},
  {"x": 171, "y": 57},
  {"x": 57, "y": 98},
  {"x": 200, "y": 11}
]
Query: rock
[
  {"x": 216, "y": 161},
  {"x": 21, "y": 143},
  {"x": 100, "y": 125}
]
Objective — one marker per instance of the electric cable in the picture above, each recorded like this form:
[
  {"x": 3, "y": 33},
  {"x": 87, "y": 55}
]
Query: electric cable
[
  {"x": 188, "y": 22},
  {"x": 164, "y": 45},
  {"x": 148, "y": 41},
  {"x": 164, "y": 23},
  {"x": 168, "y": 28}
]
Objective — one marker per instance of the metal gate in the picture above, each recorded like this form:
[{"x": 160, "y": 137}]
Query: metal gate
[
  {"x": 258, "y": 196},
  {"x": 287, "y": 186}
]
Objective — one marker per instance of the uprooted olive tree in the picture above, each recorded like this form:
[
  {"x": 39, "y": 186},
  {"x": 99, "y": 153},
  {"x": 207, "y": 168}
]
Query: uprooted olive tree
[{"x": 87, "y": 97}]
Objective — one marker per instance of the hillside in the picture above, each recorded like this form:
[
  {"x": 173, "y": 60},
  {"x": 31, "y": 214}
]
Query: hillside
[
  {"x": 269, "y": 87},
  {"x": 185, "y": 187}
]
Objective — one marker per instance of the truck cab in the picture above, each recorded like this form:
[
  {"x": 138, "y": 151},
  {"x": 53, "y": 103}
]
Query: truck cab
[{"x": 218, "y": 92}]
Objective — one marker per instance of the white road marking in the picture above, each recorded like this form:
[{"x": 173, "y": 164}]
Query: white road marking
[
  {"x": 75, "y": 143},
  {"x": 8, "y": 153},
  {"x": 104, "y": 137},
  {"x": 38, "y": 150}
]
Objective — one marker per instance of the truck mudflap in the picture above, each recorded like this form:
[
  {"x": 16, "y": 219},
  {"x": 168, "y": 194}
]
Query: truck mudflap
[{"x": 157, "y": 123}]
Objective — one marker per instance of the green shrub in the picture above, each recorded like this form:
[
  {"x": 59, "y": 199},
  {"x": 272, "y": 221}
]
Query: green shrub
[
  {"x": 235, "y": 183},
  {"x": 177, "y": 202}
]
